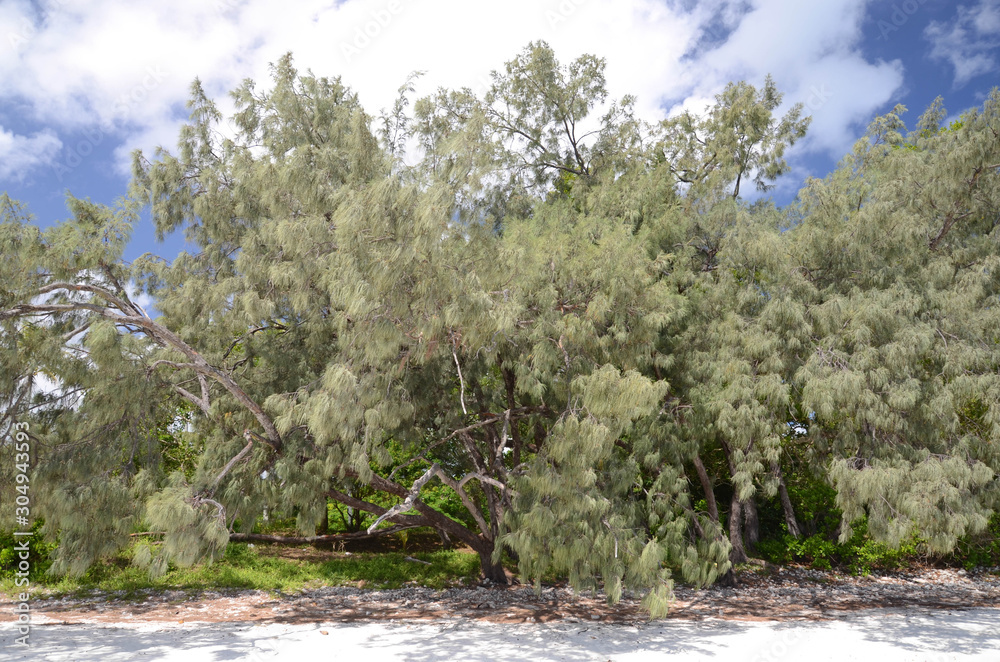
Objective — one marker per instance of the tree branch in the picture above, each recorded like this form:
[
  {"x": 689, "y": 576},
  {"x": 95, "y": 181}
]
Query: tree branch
[
  {"x": 461, "y": 393},
  {"x": 410, "y": 498},
  {"x": 229, "y": 465},
  {"x": 162, "y": 336},
  {"x": 311, "y": 540}
]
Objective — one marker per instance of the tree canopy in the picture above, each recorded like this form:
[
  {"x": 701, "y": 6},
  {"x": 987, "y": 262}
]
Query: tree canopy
[{"x": 551, "y": 331}]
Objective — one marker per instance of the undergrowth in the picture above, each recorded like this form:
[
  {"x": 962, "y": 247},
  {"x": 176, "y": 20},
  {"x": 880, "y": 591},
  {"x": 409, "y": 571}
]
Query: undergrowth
[{"x": 245, "y": 566}]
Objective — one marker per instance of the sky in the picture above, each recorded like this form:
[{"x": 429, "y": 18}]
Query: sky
[{"x": 86, "y": 82}]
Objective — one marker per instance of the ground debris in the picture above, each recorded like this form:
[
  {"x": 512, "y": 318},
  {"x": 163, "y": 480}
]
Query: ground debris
[{"x": 788, "y": 594}]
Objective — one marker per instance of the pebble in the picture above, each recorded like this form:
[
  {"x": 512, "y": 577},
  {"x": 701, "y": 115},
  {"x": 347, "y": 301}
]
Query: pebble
[{"x": 760, "y": 592}]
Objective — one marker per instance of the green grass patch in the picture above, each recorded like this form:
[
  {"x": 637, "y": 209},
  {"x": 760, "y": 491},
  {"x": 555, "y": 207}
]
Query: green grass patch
[
  {"x": 246, "y": 567},
  {"x": 392, "y": 570}
]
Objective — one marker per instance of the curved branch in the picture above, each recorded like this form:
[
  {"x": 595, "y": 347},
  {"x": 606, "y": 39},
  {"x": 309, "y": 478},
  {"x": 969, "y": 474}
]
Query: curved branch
[
  {"x": 354, "y": 502},
  {"x": 410, "y": 497},
  {"x": 163, "y": 336},
  {"x": 111, "y": 298}
]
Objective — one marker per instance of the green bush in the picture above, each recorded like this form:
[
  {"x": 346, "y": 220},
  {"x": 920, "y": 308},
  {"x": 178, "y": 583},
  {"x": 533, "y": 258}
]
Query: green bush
[
  {"x": 816, "y": 550},
  {"x": 982, "y": 550},
  {"x": 39, "y": 553},
  {"x": 860, "y": 555}
]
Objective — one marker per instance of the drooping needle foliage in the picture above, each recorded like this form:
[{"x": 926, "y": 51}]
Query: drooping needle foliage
[{"x": 566, "y": 320}]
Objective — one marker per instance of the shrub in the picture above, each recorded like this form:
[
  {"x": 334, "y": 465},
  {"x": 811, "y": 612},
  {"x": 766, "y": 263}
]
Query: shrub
[{"x": 39, "y": 553}]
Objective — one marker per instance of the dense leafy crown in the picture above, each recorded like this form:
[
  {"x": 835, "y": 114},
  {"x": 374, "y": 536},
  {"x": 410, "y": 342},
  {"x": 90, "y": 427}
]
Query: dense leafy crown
[{"x": 550, "y": 331}]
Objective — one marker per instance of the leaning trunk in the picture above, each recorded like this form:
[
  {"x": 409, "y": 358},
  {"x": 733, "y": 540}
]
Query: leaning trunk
[
  {"x": 706, "y": 486},
  {"x": 786, "y": 503}
]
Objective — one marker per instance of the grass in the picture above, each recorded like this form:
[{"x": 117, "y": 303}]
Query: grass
[
  {"x": 271, "y": 569},
  {"x": 392, "y": 570}
]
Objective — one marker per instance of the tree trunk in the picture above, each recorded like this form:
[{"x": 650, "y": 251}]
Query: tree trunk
[
  {"x": 729, "y": 579},
  {"x": 324, "y": 524},
  {"x": 706, "y": 486},
  {"x": 786, "y": 503},
  {"x": 492, "y": 572},
  {"x": 751, "y": 529},
  {"x": 737, "y": 554}
]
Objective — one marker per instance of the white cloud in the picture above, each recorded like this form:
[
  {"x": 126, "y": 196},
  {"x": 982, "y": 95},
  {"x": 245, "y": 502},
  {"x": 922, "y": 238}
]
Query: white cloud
[
  {"x": 45, "y": 384},
  {"x": 812, "y": 50},
  {"x": 21, "y": 154},
  {"x": 126, "y": 67},
  {"x": 969, "y": 42},
  {"x": 146, "y": 302}
]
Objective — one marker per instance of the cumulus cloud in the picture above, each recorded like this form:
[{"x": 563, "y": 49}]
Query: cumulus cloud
[
  {"x": 969, "y": 42},
  {"x": 813, "y": 52},
  {"x": 21, "y": 154},
  {"x": 127, "y": 67},
  {"x": 146, "y": 302}
]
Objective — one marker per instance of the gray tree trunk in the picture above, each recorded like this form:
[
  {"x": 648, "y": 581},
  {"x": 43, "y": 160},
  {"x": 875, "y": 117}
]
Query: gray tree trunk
[
  {"x": 737, "y": 554},
  {"x": 786, "y": 503},
  {"x": 706, "y": 486},
  {"x": 751, "y": 521}
]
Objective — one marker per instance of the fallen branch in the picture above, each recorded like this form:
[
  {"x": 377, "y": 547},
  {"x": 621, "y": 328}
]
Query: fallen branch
[
  {"x": 309, "y": 540},
  {"x": 410, "y": 558}
]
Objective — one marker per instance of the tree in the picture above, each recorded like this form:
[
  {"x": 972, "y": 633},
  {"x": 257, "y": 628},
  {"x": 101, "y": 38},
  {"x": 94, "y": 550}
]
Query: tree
[
  {"x": 734, "y": 354},
  {"x": 737, "y": 138},
  {"x": 333, "y": 307},
  {"x": 531, "y": 135},
  {"x": 898, "y": 247},
  {"x": 574, "y": 345}
]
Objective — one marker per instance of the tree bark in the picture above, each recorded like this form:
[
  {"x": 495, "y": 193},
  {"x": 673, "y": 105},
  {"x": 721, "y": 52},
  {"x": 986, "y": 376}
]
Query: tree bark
[
  {"x": 492, "y": 572},
  {"x": 737, "y": 554},
  {"x": 313, "y": 540},
  {"x": 510, "y": 382},
  {"x": 786, "y": 503},
  {"x": 706, "y": 486},
  {"x": 751, "y": 521}
]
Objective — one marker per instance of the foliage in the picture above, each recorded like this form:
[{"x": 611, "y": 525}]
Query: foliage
[
  {"x": 39, "y": 553},
  {"x": 981, "y": 550},
  {"x": 860, "y": 555},
  {"x": 557, "y": 335}
]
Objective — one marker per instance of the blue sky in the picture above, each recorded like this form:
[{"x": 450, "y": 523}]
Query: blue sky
[{"x": 87, "y": 82}]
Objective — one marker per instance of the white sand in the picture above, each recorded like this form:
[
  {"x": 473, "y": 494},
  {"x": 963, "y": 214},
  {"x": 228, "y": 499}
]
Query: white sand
[{"x": 891, "y": 635}]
